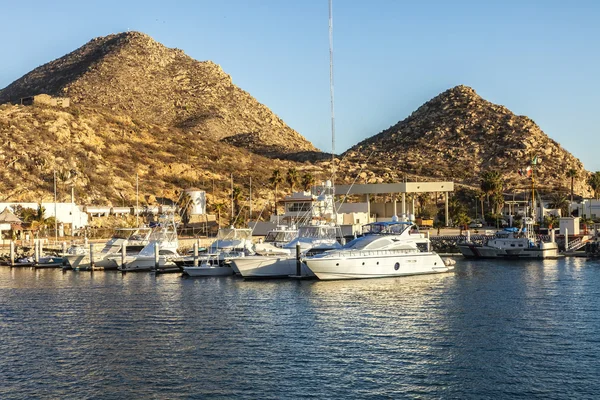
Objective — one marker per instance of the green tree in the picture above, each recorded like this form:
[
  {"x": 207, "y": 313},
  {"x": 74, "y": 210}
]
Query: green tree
[
  {"x": 185, "y": 206},
  {"x": 551, "y": 221},
  {"x": 594, "y": 183},
  {"x": 560, "y": 202},
  {"x": 308, "y": 180},
  {"x": 292, "y": 178},
  {"x": 492, "y": 185},
  {"x": 571, "y": 173},
  {"x": 276, "y": 179}
]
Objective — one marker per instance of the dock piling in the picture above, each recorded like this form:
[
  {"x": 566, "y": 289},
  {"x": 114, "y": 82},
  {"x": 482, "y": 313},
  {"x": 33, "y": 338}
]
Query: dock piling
[
  {"x": 298, "y": 262},
  {"x": 12, "y": 253},
  {"x": 91, "y": 256},
  {"x": 36, "y": 250},
  {"x": 156, "y": 256},
  {"x": 123, "y": 253},
  {"x": 196, "y": 254}
]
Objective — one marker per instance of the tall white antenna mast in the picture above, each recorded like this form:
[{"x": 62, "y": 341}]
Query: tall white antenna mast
[{"x": 331, "y": 91}]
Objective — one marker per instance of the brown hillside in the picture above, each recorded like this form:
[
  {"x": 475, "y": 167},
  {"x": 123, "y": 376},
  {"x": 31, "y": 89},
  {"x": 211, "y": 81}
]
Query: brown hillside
[
  {"x": 457, "y": 136},
  {"x": 98, "y": 154},
  {"x": 131, "y": 74}
]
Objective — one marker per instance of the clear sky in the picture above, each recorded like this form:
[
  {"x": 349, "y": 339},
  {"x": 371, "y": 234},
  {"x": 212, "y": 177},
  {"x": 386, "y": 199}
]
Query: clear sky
[{"x": 538, "y": 58}]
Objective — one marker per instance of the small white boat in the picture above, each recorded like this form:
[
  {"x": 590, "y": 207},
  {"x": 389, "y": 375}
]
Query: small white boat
[
  {"x": 389, "y": 249},
  {"x": 208, "y": 268}
]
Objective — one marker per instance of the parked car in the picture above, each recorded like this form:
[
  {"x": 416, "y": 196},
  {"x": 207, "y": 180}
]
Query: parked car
[{"x": 475, "y": 224}]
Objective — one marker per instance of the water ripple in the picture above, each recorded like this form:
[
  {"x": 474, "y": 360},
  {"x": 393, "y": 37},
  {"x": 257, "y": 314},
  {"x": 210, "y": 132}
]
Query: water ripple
[{"x": 489, "y": 330}]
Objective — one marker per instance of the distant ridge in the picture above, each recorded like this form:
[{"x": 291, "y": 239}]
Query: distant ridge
[{"x": 458, "y": 135}]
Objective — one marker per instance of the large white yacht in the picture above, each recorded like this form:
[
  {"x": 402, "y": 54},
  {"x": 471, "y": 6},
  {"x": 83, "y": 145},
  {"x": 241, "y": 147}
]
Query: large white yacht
[
  {"x": 387, "y": 249},
  {"x": 163, "y": 237},
  {"x": 78, "y": 257},
  {"x": 311, "y": 239},
  {"x": 511, "y": 243}
]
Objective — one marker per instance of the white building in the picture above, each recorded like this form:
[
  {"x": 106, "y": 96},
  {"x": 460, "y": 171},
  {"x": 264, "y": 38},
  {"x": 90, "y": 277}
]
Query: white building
[{"x": 65, "y": 213}]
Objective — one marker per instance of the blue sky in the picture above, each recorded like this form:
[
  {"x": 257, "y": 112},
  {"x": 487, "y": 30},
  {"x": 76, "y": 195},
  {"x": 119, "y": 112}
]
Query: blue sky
[{"x": 538, "y": 58}]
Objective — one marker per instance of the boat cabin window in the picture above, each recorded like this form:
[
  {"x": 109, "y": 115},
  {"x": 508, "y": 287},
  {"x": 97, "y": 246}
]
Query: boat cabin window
[{"x": 280, "y": 236}]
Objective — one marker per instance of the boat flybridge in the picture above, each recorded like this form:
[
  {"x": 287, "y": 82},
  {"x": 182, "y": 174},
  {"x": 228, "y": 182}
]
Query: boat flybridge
[
  {"x": 275, "y": 240},
  {"x": 163, "y": 237},
  {"x": 386, "y": 249},
  {"x": 78, "y": 257}
]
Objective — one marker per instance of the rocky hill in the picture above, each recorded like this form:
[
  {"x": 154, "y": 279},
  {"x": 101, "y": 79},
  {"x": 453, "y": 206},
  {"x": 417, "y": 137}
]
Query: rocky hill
[
  {"x": 138, "y": 108},
  {"x": 131, "y": 74},
  {"x": 457, "y": 136}
]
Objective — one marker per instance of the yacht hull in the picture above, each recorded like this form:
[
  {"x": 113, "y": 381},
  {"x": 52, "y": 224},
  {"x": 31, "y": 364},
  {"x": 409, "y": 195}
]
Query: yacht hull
[
  {"x": 335, "y": 268},
  {"x": 545, "y": 251},
  {"x": 145, "y": 264},
  {"x": 268, "y": 267}
]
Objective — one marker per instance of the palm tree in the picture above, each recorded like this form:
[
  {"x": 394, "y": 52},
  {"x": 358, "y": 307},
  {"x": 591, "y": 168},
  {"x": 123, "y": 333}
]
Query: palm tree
[
  {"x": 422, "y": 199},
  {"x": 571, "y": 173},
  {"x": 276, "y": 179},
  {"x": 219, "y": 208},
  {"x": 492, "y": 184},
  {"x": 559, "y": 201},
  {"x": 308, "y": 180},
  {"x": 594, "y": 182},
  {"x": 292, "y": 178},
  {"x": 185, "y": 205}
]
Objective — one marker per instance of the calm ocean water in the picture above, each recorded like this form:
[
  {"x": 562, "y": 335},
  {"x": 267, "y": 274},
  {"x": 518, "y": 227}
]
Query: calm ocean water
[{"x": 490, "y": 330}]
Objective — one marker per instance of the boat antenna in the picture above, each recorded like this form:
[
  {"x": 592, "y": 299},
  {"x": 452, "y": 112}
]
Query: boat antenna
[
  {"x": 55, "y": 214},
  {"x": 332, "y": 106}
]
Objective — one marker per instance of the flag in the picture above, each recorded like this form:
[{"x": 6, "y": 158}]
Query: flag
[
  {"x": 534, "y": 161},
  {"x": 520, "y": 172},
  {"x": 529, "y": 171}
]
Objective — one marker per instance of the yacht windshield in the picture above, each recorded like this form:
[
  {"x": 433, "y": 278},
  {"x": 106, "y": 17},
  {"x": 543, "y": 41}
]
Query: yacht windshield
[
  {"x": 368, "y": 242},
  {"x": 233, "y": 233},
  {"x": 385, "y": 227},
  {"x": 280, "y": 236},
  {"x": 317, "y": 232}
]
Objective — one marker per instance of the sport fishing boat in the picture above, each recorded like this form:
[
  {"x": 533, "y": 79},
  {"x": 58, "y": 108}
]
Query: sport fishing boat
[
  {"x": 311, "y": 239},
  {"x": 163, "y": 238},
  {"x": 386, "y": 249},
  {"x": 78, "y": 257}
]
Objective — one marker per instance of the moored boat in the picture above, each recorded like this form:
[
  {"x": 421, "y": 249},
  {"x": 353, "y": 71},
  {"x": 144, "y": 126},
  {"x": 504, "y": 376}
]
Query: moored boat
[
  {"x": 511, "y": 243},
  {"x": 386, "y": 250}
]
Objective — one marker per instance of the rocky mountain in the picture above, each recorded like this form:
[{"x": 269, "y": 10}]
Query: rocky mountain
[
  {"x": 457, "y": 136},
  {"x": 131, "y": 74},
  {"x": 137, "y": 108}
]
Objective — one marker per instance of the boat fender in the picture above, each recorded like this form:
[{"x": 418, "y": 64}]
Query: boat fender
[{"x": 397, "y": 266}]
